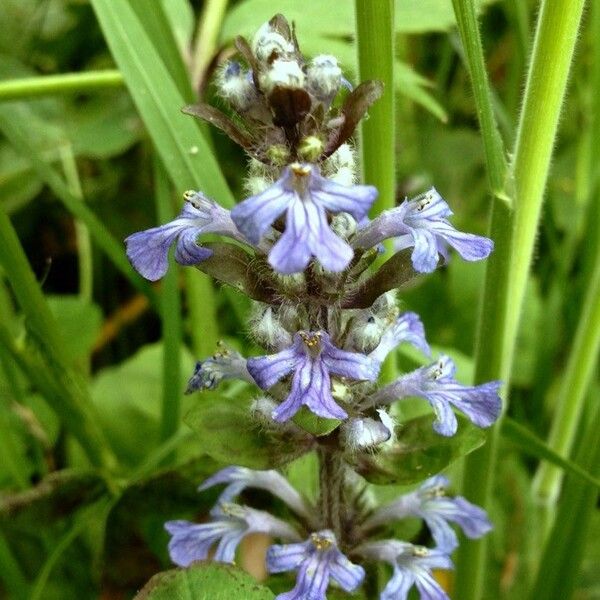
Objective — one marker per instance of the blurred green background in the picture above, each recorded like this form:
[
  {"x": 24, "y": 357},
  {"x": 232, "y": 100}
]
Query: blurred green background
[{"x": 66, "y": 529}]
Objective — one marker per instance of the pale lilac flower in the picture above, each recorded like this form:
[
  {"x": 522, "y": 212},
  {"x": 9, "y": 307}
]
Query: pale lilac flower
[
  {"x": 412, "y": 565},
  {"x": 313, "y": 358},
  {"x": 430, "y": 503},
  {"x": 306, "y": 197},
  {"x": 148, "y": 250},
  {"x": 240, "y": 478},
  {"x": 225, "y": 364},
  {"x": 317, "y": 560},
  {"x": 422, "y": 224},
  {"x": 436, "y": 383},
  {"x": 407, "y": 328},
  {"x": 191, "y": 541}
]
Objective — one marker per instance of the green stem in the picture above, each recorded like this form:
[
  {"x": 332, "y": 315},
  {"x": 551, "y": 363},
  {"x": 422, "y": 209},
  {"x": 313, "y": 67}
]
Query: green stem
[
  {"x": 65, "y": 83},
  {"x": 71, "y": 401},
  {"x": 566, "y": 546},
  {"x": 202, "y": 311},
  {"x": 375, "y": 42},
  {"x": 580, "y": 369},
  {"x": 11, "y": 573},
  {"x": 171, "y": 318},
  {"x": 209, "y": 28},
  {"x": 497, "y": 167},
  {"x": 84, "y": 243},
  {"x": 508, "y": 268}
]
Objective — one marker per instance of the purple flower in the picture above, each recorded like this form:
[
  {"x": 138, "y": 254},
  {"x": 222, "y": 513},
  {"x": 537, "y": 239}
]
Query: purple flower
[
  {"x": 437, "y": 385},
  {"x": 422, "y": 223},
  {"x": 431, "y": 504},
  {"x": 240, "y": 478},
  {"x": 412, "y": 565},
  {"x": 317, "y": 560},
  {"x": 305, "y": 196},
  {"x": 191, "y": 542},
  {"x": 148, "y": 250},
  {"x": 225, "y": 364},
  {"x": 407, "y": 328},
  {"x": 313, "y": 358}
]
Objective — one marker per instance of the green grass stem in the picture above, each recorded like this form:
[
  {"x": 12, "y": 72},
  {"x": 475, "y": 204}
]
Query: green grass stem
[
  {"x": 514, "y": 235},
  {"x": 170, "y": 317},
  {"x": 375, "y": 43},
  {"x": 64, "y": 83}
]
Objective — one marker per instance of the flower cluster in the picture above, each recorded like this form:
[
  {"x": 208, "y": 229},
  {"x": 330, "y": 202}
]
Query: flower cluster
[{"x": 327, "y": 323}]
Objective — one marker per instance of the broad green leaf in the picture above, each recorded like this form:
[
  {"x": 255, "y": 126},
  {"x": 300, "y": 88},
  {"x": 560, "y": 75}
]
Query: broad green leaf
[
  {"x": 314, "y": 17},
  {"x": 177, "y": 138},
  {"x": 131, "y": 393},
  {"x": 307, "y": 420},
  {"x": 103, "y": 126},
  {"x": 418, "y": 453},
  {"x": 204, "y": 581},
  {"x": 18, "y": 184},
  {"x": 228, "y": 434},
  {"x": 531, "y": 444},
  {"x": 79, "y": 322}
]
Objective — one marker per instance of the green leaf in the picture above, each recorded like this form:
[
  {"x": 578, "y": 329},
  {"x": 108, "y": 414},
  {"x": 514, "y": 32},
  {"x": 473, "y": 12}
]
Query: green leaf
[
  {"x": 79, "y": 322},
  {"x": 307, "y": 420},
  {"x": 131, "y": 393},
  {"x": 531, "y": 444},
  {"x": 418, "y": 452},
  {"x": 178, "y": 140},
  {"x": 228, "y": 434},
  {"x": 204, "y": 581},
  {"x": 315, "y": 17}
]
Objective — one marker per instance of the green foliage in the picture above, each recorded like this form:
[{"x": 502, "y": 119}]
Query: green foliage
[
  {"x": 81, "y": 381},
  {"x": 225, "y": 428},
  {"x": 418, "y": 452},
  {"x": 204, "y": 581}
]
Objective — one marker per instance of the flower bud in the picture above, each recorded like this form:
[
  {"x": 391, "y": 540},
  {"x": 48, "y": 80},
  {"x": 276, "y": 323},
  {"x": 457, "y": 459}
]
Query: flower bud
[
  {"x": 343, "y": 224},
  {"x": 283, "y": 73},
  {"x": 267, "y": 329},
  {"x": 310, "y": 148},
  {"x": 362, "y": 434},
  {"x": 236, "y": 86},
  {"x": 323, "y": 77},
  {"x": 268, "y": 44}
]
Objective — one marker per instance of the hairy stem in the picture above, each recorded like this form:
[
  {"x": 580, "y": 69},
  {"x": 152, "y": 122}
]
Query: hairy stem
[{"x": 331, "y": 482}]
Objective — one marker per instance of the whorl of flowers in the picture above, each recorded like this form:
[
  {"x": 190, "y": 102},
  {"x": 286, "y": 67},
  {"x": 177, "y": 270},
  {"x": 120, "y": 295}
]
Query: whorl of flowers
[{"x": 327, "y": 323}]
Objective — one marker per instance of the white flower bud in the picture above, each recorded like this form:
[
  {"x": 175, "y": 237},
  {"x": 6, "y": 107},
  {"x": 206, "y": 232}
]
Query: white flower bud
[
  {"x": 267, "y": 329},
  {"x": 363, "y": 434},
  {"x": 236, "y": 86},
  {"x": 343, "y": 224},
  {"x": 341, "y": 165},
  {"x": 268, "y": 41},
  {"x": 365, "y": 331},
  {"x": 283, "y": 73},
  {"x": 324, "y": 77}
]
